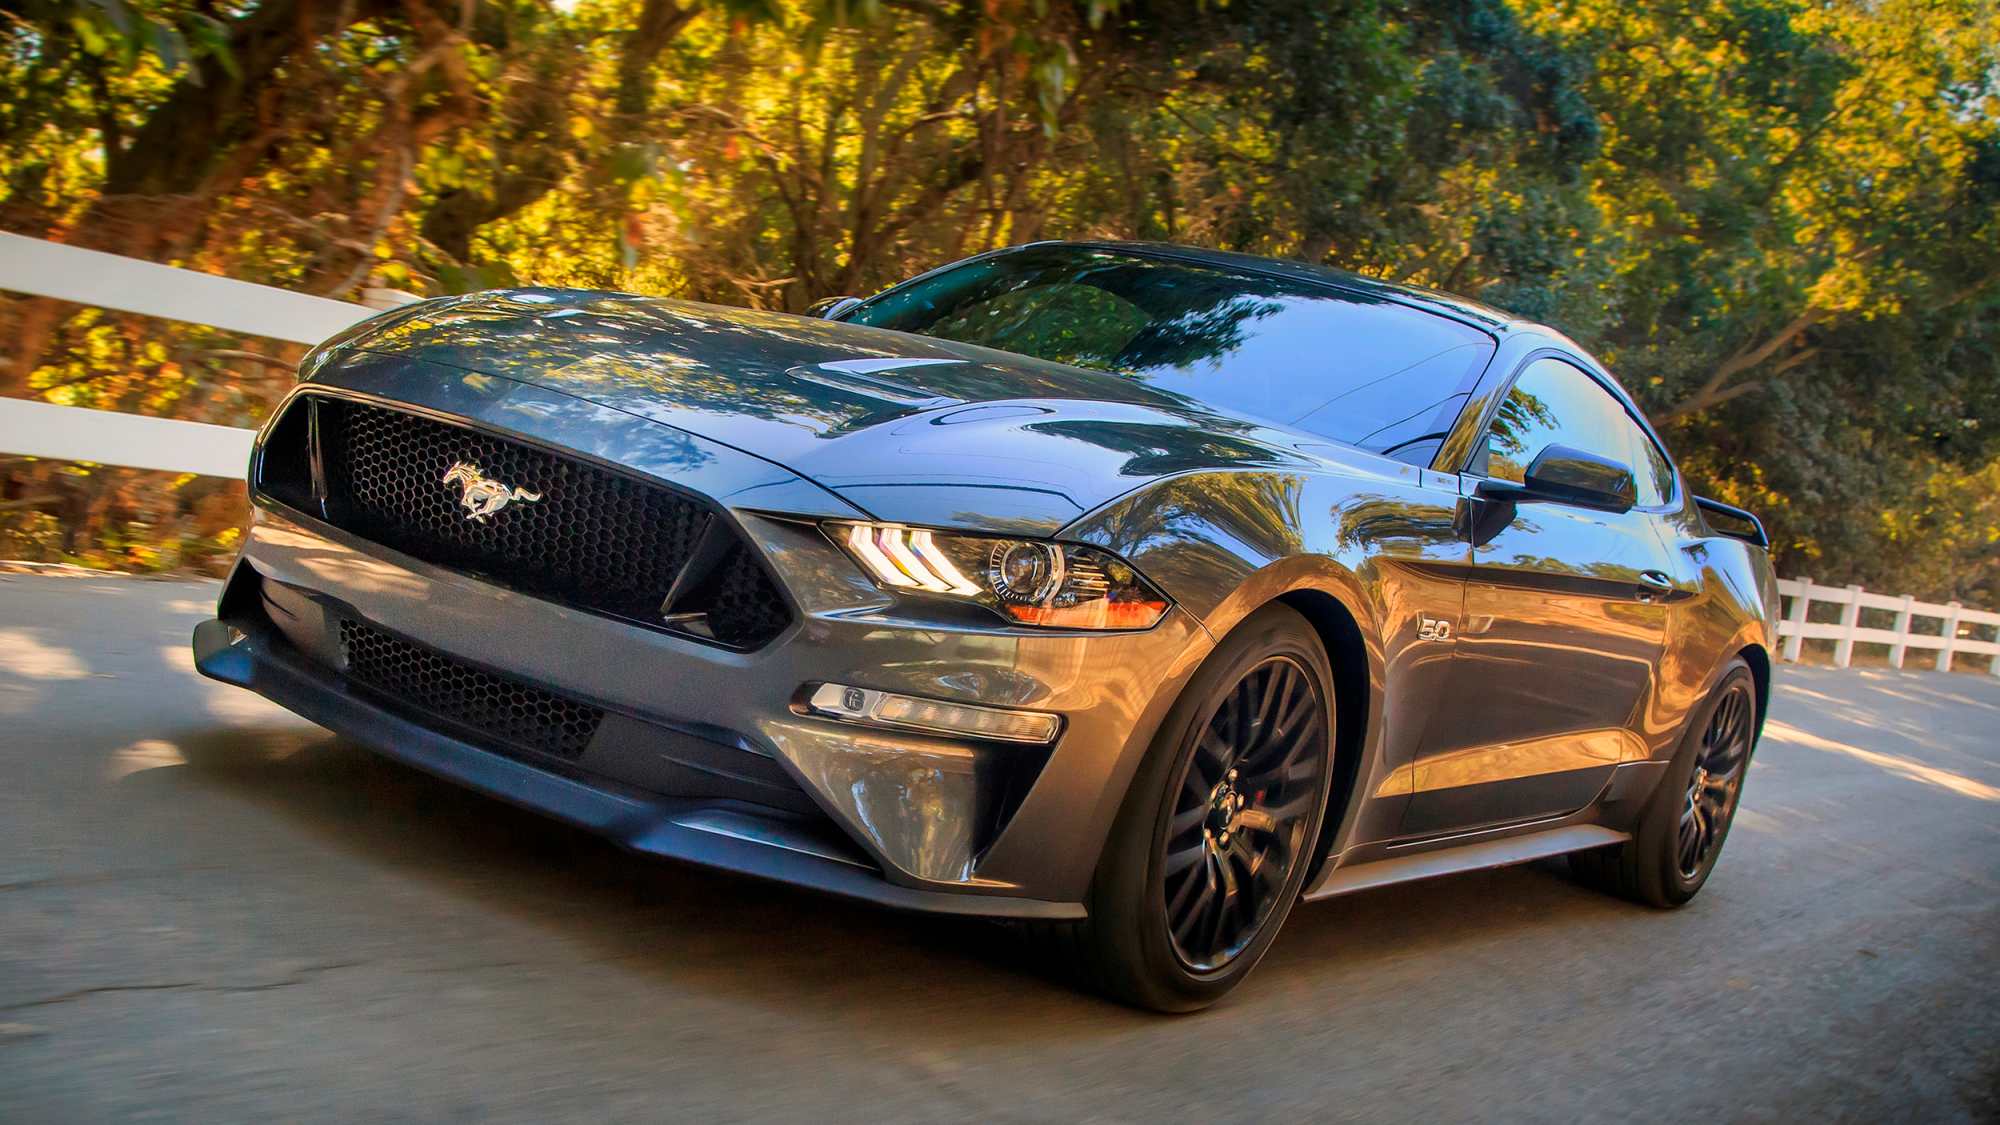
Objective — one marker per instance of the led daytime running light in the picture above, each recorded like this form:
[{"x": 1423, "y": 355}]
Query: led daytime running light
[
  {"x": 1030, "y": 581},
  {"x": 927, "y": 549},
  {"x": 863, "y": 545},
  {"x": 909, "y": 557}
]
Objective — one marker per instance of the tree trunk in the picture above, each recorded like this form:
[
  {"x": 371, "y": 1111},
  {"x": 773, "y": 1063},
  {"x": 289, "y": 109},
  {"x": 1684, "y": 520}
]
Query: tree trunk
[
  {"x": 207, "y": 131},
  {"x": 1716, "y": 389},
  {"x": 209, "y": 112},
  {"x": 540, "y": 116}
]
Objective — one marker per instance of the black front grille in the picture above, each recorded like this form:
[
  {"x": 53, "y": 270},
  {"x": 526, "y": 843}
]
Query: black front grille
[
  {"x": 500, "y": 711},
  {"x": 567, "y": 530},
  {"x": 577, "y": 533}
]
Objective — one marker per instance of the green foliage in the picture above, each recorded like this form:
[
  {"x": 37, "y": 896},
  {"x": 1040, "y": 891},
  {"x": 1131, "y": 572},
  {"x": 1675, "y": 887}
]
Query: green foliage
[
  {"x": 1778, "y": 221},
  {"x": 114, "y": 32}
]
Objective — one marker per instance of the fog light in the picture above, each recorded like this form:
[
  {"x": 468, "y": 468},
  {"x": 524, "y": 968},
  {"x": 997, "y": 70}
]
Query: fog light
[{"x": 862, "y": 705}]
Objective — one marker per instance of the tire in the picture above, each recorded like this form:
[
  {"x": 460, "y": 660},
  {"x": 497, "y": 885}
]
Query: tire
[
  {"x": 1136, "y": 945},
  {"x": 1654, "y": 867}
]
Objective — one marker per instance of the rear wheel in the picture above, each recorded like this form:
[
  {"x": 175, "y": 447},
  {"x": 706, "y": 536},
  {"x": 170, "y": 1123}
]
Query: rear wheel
[
  {"x": 1680, "y": 834},
  {"x": 1216, "y": 835}
]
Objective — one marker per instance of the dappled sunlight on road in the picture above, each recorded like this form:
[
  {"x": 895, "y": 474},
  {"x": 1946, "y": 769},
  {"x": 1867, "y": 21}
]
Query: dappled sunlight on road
[
  {"x": 27, "y": 663},
  {"x": 1753, "y": 820},
  {"x": 1935, "y": 723},
  {"x": 1916, "y": 685},
  {"x": 145, "y": 754},
  {"x": 26, "y": 655},
  {"x": 244, "y": 748},
  {"x": 1894, "y": 763},
  {"x": 1808, "y": 693}
]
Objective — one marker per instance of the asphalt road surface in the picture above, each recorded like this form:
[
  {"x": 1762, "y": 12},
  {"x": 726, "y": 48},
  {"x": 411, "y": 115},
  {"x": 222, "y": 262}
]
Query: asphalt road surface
[{"x": 210, "y": 910}]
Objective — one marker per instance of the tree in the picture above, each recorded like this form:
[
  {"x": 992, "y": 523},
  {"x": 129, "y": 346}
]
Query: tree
[{"x": 1778, "y": 222}]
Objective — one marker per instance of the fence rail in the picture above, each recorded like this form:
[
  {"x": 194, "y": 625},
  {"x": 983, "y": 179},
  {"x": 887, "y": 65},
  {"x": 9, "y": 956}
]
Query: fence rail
[
  {"x": 90, "y": 277},
  {"x": 69, "y": 273},
  {"x": 1953, "y": 620},
  {"x": 37, "y": 429}
]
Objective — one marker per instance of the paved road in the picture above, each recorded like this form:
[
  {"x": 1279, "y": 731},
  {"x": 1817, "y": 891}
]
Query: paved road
[{"x": 210, "y": 910}]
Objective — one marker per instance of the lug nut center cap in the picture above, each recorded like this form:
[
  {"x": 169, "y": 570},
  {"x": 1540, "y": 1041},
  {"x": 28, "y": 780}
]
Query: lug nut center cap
[{"x": 1223, "y": 805}]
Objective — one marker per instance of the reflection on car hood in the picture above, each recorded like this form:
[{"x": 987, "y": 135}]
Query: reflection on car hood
[{"x": 906, "y": 427}]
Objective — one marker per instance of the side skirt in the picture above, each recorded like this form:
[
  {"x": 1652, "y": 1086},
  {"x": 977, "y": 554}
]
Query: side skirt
[{"x": 1503, "y": 852}]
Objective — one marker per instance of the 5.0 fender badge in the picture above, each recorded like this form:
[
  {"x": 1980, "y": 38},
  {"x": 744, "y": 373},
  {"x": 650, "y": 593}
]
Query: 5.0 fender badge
[{"x": 481, "y": 495}]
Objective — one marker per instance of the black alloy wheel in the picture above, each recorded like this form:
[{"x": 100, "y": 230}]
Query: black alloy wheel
[
  {"x": 1678, "y": 834},
  {"x": 1245, "y": 800},
  {"x": 1219, "y": 828},
  {"x": 1716, "y": 782}
]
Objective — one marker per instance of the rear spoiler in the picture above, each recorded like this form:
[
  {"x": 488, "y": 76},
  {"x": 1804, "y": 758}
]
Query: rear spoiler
[{"x": 1747, "y": 527}]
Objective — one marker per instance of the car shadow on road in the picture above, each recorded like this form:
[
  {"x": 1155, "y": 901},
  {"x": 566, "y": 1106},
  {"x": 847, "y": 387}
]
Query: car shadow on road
[{"x": 788, "y": 949}]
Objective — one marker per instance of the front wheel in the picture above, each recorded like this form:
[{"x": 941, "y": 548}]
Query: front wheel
[
  {"x": 1680, "y": 833},
  {"x": 1216, "y": 834}
]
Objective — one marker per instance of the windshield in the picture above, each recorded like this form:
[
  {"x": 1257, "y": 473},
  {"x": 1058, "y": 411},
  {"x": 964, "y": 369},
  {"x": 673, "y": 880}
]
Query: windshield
[{"x": 1345, "y": 365}]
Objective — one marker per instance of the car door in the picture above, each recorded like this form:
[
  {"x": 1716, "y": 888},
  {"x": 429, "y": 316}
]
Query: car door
[{"x": 1562, "y": 623}]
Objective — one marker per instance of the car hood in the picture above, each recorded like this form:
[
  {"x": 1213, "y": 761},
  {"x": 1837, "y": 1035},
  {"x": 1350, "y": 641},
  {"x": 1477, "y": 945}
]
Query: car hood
[{"x": 904, "y": 427}]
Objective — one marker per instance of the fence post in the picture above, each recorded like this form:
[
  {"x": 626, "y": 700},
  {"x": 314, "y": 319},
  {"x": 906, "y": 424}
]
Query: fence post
[
  {"x": 1902, "y": 630},
  {"x": 1850, "y": 620},
  {"x": 1797, "y": 616},
  {"x": 1950, "y": 636}
]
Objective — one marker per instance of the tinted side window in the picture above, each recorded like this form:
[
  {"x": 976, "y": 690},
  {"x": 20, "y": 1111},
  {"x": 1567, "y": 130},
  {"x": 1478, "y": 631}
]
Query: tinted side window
[
  {"x": 1653, "y": 471},
  {"x": 1554, "y": 403}
]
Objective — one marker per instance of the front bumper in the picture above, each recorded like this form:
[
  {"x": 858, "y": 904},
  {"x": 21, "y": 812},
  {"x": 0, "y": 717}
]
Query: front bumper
[
  {"x": 718, "y": 834},
  {"x": 900, "y": 818}
]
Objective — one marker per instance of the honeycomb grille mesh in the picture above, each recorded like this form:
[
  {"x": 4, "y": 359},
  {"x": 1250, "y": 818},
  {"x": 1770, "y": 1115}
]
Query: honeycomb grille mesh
[
  {"x": 508, "y": 713},
  {"x": 741, "y": 602},
  {"x": 570, "y": 531}
]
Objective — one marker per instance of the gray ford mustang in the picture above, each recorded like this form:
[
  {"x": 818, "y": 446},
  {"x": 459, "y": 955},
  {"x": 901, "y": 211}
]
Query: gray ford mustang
[{"x": 1131, "y": 593}]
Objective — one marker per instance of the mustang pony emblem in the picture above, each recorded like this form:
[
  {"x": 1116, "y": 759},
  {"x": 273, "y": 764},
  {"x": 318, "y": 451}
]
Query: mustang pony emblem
[{"x": 483, "y": 495}]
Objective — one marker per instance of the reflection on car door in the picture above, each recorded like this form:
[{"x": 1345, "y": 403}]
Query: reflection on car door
[{"x": 1560, "y": 634}]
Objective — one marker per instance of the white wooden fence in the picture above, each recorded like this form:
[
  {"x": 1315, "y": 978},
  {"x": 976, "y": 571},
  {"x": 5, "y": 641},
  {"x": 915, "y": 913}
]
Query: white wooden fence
[
  {"x": 1954, "y": 623},
  {"x": 36, "y": 429},
  {"x": 50, "y": 269}
]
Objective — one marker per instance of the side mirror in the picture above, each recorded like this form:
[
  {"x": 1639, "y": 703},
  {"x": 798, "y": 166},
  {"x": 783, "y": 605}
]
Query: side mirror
[
  {"x": 1563, "y": 475},
  {"x": 831, "y": 308}
]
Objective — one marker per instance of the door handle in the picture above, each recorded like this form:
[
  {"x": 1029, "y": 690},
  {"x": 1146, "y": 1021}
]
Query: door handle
[{"x": 1652, "y": 582}]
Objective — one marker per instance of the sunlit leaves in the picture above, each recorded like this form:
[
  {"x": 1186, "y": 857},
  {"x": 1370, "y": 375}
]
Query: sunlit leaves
[
  {"x": 1678, "y": 185},
  {"x": 118, "y": 30}
]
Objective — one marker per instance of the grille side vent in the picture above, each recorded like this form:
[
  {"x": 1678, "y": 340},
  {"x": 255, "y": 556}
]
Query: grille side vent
[
  {"x": 284, "y": 470},
  {"x": 740, "y": 599}
]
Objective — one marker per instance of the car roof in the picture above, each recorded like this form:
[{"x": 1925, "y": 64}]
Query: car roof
[{"x": 1448, "y": 304}]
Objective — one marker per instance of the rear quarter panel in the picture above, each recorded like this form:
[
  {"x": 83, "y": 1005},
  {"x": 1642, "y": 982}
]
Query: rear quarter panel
[{"x": 1729, "y": 607}]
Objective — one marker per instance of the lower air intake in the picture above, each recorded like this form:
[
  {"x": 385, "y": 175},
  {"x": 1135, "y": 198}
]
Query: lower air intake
[{"x": 503, "y": 712}]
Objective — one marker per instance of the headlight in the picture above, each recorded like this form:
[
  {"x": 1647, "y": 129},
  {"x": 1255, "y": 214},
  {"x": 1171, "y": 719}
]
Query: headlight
[{"x": 1034, "y": 582}]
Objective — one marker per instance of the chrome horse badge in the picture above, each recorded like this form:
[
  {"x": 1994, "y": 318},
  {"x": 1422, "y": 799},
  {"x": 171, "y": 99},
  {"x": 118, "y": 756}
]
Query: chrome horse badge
[{"x": 483, "y": 495}]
